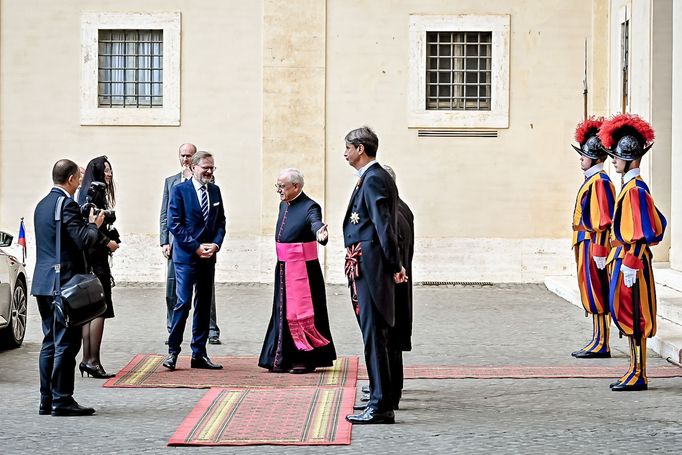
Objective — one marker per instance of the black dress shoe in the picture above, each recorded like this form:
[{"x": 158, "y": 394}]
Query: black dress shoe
[
  {"x": 302, "y": 369},
  {"x": 371, "y": 416},
  {"x": 205, "y": 363},
  {"x": 214, "y": 340},
  {"x": 170, "y": 361},
  {"x": 45, "y": 408},
  {"x": 592, "y": 355},
  {"x": 365, "y": 388},
  {"x": 613, "y": 384},
  {"x": 575, "y": 353},
  {"x": 73, "y": 409},
  {"x": 629, "y": 388}
]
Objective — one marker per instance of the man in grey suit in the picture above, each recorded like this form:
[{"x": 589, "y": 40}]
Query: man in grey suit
[{"x": 186, "y": 152}]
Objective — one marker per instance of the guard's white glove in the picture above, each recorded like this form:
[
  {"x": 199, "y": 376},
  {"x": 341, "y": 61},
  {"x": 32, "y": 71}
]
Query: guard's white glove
[
  {"x": 600, "y": 261},
  {"x": 629, "y": 275}
]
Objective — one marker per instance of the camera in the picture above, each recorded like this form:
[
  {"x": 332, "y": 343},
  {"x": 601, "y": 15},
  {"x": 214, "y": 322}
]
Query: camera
[{"x": 97, "y": 196}]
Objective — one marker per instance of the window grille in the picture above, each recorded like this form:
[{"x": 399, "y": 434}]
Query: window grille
[
  {"x": 130, "y": 68},
  {"x": 458, "y": 70}
]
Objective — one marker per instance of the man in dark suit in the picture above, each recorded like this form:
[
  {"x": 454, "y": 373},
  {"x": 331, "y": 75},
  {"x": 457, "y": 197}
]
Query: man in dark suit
[
  {"x": 185, "y": 153},
  {"x": 197, "y": 221},
  {"x": 372, "y": 266},
  {"x": 400, "y": 336},
  {"x": 60, "y": 343}
]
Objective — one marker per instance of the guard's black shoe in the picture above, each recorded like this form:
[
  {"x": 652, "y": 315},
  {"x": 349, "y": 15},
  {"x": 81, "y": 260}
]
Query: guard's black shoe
[
  {"x": 205, "y": 363},
  {"x": 593, "y": 355},
  {"x": 629, "y": 388},
  {"x": 170, "y": 361},
  {"x": 371, "y": 416}
]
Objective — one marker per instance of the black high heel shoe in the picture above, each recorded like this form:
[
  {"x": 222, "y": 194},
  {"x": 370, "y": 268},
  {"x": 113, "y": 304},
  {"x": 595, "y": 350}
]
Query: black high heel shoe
[
  {"x": 96, "y": 371},
  {"x": 85, "y": 368},
  {"x": 101, "y": 373}
]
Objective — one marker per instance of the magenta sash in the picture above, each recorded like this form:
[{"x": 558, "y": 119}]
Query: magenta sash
[{"x": 299, "y": 301}]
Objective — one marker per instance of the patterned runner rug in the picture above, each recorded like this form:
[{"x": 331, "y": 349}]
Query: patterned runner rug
[
  {"x": 525, "y": 372},
  {"x": 146, "y": 370},
  {"x": 293, "y": 416}
]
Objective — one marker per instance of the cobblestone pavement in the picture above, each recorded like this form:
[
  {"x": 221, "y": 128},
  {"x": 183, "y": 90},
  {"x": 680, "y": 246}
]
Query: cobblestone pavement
[{"x": 480, "y": 326}]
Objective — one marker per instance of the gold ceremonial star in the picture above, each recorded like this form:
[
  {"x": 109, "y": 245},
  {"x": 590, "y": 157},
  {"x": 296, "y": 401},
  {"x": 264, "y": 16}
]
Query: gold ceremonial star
[{"x": 354, "y": 218}]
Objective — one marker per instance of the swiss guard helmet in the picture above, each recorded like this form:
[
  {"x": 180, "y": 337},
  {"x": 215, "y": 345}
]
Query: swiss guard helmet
[
  {"x": 586, "y": 136},
  {"x": 626, "y": 136}
]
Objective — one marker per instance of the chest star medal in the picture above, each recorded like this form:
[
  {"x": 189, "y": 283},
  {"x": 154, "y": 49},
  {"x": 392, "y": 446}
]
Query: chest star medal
[{"x": 354, "y": 218}]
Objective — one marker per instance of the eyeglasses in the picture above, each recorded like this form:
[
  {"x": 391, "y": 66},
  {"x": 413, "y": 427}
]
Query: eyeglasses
[
  {"x": 208, "y": 168},
  {"x": 279, "y": 186}
]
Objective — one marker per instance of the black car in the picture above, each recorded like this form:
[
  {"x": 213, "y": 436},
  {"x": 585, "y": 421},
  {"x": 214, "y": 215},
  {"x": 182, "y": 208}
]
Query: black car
[{"x": 13, "y": 298}]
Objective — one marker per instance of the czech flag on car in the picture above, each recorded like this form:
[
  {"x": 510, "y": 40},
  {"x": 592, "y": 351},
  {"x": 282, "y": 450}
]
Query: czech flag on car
[{"x": 22, "y": 238}]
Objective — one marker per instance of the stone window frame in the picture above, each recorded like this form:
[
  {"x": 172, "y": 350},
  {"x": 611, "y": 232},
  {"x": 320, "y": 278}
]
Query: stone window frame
[
  {"x": 498, "y": 115},
  {"x": 169, "y": 114}
]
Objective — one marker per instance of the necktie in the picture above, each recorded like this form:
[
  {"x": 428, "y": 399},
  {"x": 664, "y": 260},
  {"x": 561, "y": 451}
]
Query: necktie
[{"x": 204, "y": 203}]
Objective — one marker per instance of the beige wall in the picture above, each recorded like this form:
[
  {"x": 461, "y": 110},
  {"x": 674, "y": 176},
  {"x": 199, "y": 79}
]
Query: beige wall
[
  {"x": 221, "y": 105},
  {"x": 498, "y": 192},
  {"x": 273, "y": 83}
]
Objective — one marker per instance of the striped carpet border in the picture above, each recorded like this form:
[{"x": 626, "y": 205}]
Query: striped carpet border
[
  {"x": 314, "y": 416},
  {"x": 146, "y": 370}
]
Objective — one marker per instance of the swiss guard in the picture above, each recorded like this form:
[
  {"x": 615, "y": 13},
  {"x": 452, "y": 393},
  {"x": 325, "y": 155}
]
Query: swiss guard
[
  {"x": 591, "y": 231},
  {"x": 637, "y": 225}
]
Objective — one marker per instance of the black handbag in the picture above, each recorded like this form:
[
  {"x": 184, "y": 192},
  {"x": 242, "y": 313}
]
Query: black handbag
[{"x": 81, "y": 299}]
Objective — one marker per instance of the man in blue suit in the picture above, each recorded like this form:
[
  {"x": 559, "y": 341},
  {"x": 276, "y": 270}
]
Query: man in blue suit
[
  {"x": 197, "y": 221},
  {"x": 373, "y": 267},
  {"x": 57, "y": 360},
  {"x": 185, "y": 154}
]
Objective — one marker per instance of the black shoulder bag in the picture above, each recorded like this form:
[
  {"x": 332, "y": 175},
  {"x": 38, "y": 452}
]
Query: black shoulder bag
[{"x": 81, "y": 299}]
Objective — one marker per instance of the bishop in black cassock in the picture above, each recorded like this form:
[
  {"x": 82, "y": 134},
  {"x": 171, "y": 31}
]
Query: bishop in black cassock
[{"x": 298, "y": 338}]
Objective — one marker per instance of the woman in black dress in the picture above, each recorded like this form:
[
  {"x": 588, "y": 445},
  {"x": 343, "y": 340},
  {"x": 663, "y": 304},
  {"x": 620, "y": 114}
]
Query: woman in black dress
[{"x": 98, "y": 189}]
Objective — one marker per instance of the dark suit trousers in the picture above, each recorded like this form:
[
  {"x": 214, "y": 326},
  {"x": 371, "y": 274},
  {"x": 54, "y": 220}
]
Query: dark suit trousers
[
  {"x": 57, "y": 360},
  {"x": 197, "y": 278},
  {"x": 395, "y": 358},
  {"x": 375, "y": 337},
  {"x": 172, "y": 300}
]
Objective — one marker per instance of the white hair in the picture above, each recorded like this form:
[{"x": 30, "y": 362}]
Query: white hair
[{"x": 293, "y": 175}]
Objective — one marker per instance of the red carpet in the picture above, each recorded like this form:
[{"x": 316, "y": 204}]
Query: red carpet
[
  {"x": 294, "y": 416},
  {"x": 525, "y": 372},
  {"x": 145, "y": 370}
]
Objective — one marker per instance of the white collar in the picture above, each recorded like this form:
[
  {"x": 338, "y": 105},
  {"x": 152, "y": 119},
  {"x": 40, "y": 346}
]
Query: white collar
[
  {"x": 631, "y": 174},
  {"x": 597, "y": 168},
  {"x": 197, "y": 184},
  {"x": 360, "y": 172}
]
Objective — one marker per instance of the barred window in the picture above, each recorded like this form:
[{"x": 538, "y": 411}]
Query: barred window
[
  {"x": 458, "y": 70},
  {"x": 130, "y": 73}
]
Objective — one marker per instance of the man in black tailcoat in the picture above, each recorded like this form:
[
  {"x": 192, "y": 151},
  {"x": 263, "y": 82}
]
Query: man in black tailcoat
[
  {"x": 400, "y": 336},
  {"x": 298, "y": 339},
  {"x": 373, "y": 267}
]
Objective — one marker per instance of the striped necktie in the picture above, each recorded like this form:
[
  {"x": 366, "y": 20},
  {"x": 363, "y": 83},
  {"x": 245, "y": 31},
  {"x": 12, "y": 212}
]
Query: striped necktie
[{"x": 204, "y": 203}]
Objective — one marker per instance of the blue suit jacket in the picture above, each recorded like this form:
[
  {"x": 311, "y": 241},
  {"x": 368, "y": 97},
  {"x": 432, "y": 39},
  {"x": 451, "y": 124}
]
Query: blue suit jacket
[
  {"x": 76, "y": 237},
  {"x": 186, "y": 222},
  {"x": 371, "y": 220}
]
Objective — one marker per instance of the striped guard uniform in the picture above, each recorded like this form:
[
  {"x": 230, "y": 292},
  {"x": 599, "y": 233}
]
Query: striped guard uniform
[
  {"x": 592, "y": 218},
  {"x": 637, "y": 225}
]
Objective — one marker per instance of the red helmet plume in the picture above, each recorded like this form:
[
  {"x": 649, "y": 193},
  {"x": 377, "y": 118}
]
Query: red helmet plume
[
  {"x": 623, "y": 125},
  {"x": 588, "y": 127}
]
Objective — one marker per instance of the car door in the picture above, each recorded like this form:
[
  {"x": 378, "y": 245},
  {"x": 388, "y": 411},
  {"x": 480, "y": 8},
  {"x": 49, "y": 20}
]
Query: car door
[{"x": 5, "y": 290}]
